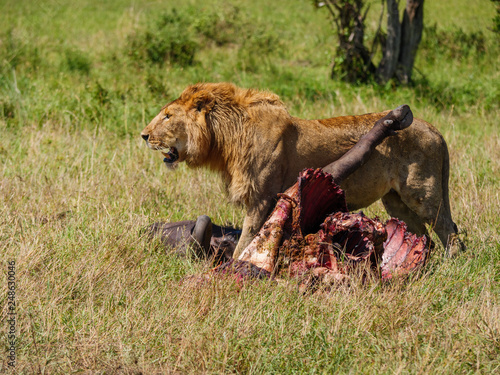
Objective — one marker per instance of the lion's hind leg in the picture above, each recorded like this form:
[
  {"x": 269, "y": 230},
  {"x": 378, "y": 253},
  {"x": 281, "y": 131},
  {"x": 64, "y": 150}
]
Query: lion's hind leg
[{"x": 426, "y": 206}]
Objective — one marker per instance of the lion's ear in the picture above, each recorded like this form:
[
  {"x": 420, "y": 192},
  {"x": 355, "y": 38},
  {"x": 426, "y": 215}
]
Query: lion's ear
[{"x": 203, "y": 101}]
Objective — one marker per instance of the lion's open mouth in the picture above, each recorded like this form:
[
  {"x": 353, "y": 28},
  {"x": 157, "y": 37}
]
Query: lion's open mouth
[{"x": 171, "y": 156}]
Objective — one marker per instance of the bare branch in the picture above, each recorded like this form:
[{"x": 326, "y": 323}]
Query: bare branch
[
  {"x": 366, "y": 13},
  {"x": 328, "y": 4}
]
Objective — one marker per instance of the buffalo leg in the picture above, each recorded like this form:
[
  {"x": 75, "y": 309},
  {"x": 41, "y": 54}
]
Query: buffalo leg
[{"x": 398, "y": 119}]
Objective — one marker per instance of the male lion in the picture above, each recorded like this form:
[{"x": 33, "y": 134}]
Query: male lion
[{"x": 251, "y": 139}]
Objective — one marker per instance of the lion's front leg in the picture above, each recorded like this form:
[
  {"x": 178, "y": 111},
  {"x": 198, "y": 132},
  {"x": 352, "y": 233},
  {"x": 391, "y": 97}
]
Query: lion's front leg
[{"x": 255, "y": 218}]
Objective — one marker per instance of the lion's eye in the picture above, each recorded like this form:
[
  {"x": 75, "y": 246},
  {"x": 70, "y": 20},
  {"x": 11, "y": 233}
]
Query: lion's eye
[{"x": 167, "y": 116}]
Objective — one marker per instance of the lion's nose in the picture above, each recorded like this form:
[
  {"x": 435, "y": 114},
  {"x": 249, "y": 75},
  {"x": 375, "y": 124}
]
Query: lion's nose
[{"x": 145, "y": 136}]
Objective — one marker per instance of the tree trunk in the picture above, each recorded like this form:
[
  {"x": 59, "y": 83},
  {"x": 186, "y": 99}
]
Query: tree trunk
[
  {"x": 356, "y": 64},
  {"x": 390, "y": 51},
  {"x": 411, "y": 33},
  {"x": 354, "y": 60}
]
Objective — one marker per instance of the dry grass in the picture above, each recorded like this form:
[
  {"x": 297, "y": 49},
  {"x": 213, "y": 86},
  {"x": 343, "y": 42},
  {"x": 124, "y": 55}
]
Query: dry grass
[
  {"x": 94, "y": 296},
  {"x": 77, "y": 184}
]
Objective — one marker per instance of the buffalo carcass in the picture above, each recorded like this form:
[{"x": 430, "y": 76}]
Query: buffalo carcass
[{"x": 198, "y": 237}]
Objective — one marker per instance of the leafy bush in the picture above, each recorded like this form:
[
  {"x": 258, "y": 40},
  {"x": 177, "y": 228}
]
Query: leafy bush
[
  {"x": 222, "y": 27},
  {"x": 177, "y": 37},
  {"x": 169, "y": 40}
]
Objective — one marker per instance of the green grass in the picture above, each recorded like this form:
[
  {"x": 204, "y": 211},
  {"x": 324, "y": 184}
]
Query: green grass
[{"x": 77, "y": 85}]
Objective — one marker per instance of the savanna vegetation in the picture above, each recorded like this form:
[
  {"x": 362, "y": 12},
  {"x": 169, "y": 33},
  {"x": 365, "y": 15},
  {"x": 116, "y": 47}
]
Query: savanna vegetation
[{"x": 79, "y": 81}]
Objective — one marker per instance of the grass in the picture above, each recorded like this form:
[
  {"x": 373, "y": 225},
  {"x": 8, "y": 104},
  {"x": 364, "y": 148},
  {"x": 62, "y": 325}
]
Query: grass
[{"x": 77, "y": 184}]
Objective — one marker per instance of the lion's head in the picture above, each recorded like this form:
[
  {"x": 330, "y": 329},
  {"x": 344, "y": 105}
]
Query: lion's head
[
  {"x": 180, "y": 131},
  {"x": 206, "y": 124}
]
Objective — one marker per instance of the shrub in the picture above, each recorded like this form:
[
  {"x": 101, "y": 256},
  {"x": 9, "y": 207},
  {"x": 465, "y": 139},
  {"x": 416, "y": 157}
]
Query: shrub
[
  {"x": 223, "y": 27},
  {"x": 169, "y": 40},
  {"x": 178, "y": 35}
]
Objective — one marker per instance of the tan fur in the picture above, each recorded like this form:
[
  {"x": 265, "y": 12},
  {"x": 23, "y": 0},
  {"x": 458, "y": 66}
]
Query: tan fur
[{"x": 251, "y": 139}]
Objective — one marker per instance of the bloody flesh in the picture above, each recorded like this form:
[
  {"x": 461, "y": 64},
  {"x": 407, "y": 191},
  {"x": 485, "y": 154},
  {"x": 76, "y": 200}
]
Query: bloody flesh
[{"x": 310, "y": 231}]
